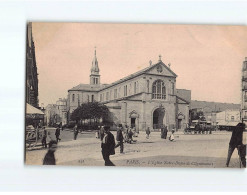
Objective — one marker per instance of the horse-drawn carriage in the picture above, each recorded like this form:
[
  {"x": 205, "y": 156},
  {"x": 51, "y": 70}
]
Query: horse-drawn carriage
[{"x": 199, "y": 127}]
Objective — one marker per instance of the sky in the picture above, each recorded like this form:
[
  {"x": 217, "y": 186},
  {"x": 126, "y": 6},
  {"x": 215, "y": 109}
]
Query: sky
[{"x": 207, "y": 58}]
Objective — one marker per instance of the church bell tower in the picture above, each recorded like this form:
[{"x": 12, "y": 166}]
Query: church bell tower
[{"x": 94, "y": 76}]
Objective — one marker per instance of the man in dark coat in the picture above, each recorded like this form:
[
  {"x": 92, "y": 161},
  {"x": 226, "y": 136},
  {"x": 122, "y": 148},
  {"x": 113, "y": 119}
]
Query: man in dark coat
[
  {"x": 165, "y": 132},
  {"x": 44, "y": 136},
  {"x": 108, "y": 146},
  {"x": 120, "y": 138},
  {"x": 162, "y": 132},
  {"x": 236, "y": 142},
  {"x": 49, "y": 157},
  {"x": 76, "y": 131},
  {"x": 57, "y": 133}
]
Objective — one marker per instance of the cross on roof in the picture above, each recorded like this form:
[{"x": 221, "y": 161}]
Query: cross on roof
[{"x": 160, "y": 58}]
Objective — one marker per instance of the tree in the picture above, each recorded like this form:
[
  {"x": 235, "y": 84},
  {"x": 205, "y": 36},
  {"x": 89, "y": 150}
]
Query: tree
[{"x": 90, "y": 111}]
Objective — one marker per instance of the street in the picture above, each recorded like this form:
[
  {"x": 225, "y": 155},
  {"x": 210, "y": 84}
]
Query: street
[{"x": 187, "y": 151}]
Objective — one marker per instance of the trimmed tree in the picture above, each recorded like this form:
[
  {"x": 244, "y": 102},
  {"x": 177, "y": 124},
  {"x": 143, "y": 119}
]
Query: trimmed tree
[{"x": 90, "y": 111}]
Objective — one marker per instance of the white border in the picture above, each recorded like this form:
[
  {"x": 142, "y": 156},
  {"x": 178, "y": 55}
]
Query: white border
[{"x": 14, "y": 176}]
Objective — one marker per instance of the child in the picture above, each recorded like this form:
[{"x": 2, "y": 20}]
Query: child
[{"x": 171, "y": 138}]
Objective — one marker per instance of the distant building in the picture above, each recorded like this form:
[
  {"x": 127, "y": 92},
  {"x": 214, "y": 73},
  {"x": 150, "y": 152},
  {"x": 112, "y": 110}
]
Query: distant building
[
  {"x": 147, "y": 98},
  {"x": 228, "y": 118},
  {"x": 31, "y": 70},
  {"x": 210, "y": 109},
  {"x": 61, "y": 111},
  {"x": 244, "y": 92},
  {"x": 56, "y": 113},
  {"x": 50, "y": 114}
]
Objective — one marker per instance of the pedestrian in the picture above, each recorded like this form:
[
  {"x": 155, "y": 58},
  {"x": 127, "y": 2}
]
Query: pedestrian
[
  {"x": 61, "y": 126},
  {"x": 101, "y": 132},
  {"x": 134, "y": 131},
  {"x": 57, "y": 133},
  {"x": 147, "y": 132},
  {"x": 137, "y": 131},
  {"x": 76, "y": 131},
  {"x": 236, "y": 141},
  {"x": 97, "y": 133},
  {"x": 171, "y": 138},
  {"x": 120, "y": 138},
  {"x": 44, "y": 136},
  {"x": 108, "y": 146},
  {"x": 130, "y": 135},
  {"x": 165, "y": 132},
  {"x": 162, "y": 132},
  {"x": 49, "y": 158}
]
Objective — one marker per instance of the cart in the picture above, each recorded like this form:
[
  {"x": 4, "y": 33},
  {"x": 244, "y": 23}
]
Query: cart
[{"x": 32, "y": 136}]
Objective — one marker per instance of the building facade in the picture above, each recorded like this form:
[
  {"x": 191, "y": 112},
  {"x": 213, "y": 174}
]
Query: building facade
[
  {"x": 210, "y": 109},
  {"x": 31, "y": 70},
  {"x": 50, "y": 114},
  {"x": 228, "y": 118},
  {"x": 147, "y": 98},
  {"x": 61, "y": 111},
  {"x": 244, "y": 92},
  {"x": 56, "y": 113}
]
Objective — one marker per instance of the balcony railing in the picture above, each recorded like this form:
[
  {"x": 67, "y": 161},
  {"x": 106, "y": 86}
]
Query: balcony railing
[
  {"x": 244, "y": 67},
  {"x": 244, "y": 77},
  {"x": 245, "y": 98},
  {"x": 244, "y": 86}
]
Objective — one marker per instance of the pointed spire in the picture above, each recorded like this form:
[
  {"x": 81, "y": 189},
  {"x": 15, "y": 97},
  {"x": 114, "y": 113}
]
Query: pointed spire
[
  {"x": 95, "y": 77},
  {"x": 95, "y": 67}
]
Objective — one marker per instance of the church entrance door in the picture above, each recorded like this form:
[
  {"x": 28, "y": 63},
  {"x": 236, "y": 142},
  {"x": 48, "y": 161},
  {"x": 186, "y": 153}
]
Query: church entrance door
[
  {"x": 158, "y": 117},
  {"x": 133, "y": 122}
]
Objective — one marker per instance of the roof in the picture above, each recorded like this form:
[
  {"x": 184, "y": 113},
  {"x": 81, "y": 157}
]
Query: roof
[
  {"x": 95, "y": 88},
  {"x": 87, "y": 87},
  {"x": 225, "y": 123},
  {"x": 213, "y": 106},
  {"x": 182, "y": 101},
  {"x": 139, "y": 73}
]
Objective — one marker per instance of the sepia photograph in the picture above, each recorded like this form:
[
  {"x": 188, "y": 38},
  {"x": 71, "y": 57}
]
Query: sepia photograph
[{"x": 136, "y": 95}]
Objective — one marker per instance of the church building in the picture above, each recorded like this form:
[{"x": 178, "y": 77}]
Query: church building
[{"x": 147, "y": 98}]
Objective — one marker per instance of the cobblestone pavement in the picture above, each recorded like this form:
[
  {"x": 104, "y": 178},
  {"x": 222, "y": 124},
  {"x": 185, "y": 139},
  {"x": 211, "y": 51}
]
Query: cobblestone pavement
[{"x": 187, "y": 151}]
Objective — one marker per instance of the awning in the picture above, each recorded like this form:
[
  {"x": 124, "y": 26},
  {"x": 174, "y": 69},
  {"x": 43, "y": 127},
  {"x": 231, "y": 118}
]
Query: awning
[
  {"x": 233, "y": 123},
  {"x": 33, "y": 110},
  {"x": 225, "y": 123}
]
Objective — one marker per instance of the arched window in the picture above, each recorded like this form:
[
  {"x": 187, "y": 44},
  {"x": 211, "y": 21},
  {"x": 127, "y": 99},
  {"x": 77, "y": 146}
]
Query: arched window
[
  {"x": 73, "y": 97},
  {"x": 159, "y": 90}
]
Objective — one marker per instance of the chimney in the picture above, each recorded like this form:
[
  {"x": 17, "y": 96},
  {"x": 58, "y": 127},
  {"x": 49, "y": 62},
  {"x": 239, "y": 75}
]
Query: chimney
[
  {"x": 150, "y": 63},
  {"x": 245, "y": 58},
  {"x": 169, "y": 65}
]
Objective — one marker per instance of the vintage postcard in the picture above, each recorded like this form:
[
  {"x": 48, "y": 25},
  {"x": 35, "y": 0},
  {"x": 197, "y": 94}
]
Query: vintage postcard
[{"x": 138, "y": 95}]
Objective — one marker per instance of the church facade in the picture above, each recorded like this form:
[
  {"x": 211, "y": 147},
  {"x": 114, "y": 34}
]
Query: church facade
[{"x": 147, "y": 98}]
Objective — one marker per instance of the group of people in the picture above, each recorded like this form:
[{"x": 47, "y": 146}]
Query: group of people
[
  {"x": 49, "y": 158},
  {"x": 164, "y": 132},
  {"x": 108, "y": 144}
]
